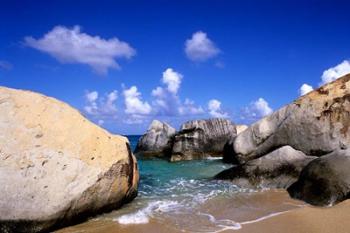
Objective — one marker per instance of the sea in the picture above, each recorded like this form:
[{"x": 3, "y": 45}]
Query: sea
[{"x": 185, "y": 197}]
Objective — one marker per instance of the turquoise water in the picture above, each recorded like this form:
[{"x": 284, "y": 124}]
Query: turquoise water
[
  {"x": 171, "y": 192},
  {"x": 183, "y": 197}
]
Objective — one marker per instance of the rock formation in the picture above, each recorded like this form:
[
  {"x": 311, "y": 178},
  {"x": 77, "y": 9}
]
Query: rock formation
[
  {"x": 325, "y": 181},
  {"x": 157, "y": 140},
  {"x": 316, "y": 124},
  {"x": 57, "y": 168},
  {"x": 202, "y": 138},
  {"x": 278, "y": 169}
]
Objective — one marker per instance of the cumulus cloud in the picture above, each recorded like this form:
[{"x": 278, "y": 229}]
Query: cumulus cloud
[
  {"x": 200, "y": 48},
  {"x": 101, "y": 107},
  {"x": 214, "y": 107},
  {"x": 70, "y": 45},
  {"x": 305, "y": 88},
  {"x": 4, "y": 65},
  {"x": 256, "y": 110},
  {"x": 189, "y": 108},
  {"x": 166, "y": 100},
  {"x": 134, "y": 104},
  {"x": 336, "y": 72},
  {"x": 172, "y": 79}
]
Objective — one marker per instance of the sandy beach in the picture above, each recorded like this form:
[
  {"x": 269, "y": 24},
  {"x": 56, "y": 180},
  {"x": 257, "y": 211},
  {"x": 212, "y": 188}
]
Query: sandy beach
[{"x": 269, "y": 211}]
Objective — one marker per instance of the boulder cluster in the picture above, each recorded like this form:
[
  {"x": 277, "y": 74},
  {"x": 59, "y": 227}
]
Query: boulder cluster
[
  {"x": 302, "y": 147},
  {"x": 197, "y": 139}
]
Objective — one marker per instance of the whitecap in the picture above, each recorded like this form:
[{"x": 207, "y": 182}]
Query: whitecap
[{"x": 142, "y": 216}]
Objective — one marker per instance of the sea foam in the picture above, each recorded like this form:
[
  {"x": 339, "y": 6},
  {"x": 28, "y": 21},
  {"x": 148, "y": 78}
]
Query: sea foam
[{"x": 142, "y": 216}]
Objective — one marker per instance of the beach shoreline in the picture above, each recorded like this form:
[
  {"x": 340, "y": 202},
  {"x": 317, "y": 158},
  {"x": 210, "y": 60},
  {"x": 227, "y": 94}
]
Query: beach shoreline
[{"x": 297, "y": 217}]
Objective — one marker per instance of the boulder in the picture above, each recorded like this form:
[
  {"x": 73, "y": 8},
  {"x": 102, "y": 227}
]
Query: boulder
[
  {"x": 316, "y": 124},
  {"x": 325, "y": 181},
  {"x": 57, "y": 168},
  {"x": 200, "y": 139},
  {"x": 278, "y": 169},
  {"x": 157, "y": 140}
]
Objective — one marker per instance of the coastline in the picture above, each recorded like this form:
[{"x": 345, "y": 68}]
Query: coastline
[
  {"x": 306, "y": 220},
  {"x": 244, "y": 214}
]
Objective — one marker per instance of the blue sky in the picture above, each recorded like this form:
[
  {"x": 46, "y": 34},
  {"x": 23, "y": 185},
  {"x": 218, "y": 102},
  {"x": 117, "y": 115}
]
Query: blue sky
[{"x": 124, "y": 63}]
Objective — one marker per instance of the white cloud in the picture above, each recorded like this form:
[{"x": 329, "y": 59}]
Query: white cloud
[
  {"x": 200, "y": 47},
  {"x": 214, "y": 107},
  {"x": 70, "y": 45},
  {"x": 172, "y": 79},
  {"x": 133, "y": 102},
  {"x": 189, "y": 108},
  {"x": 336, "y": 72},
  {"x": 101, "y": 107},
  {"x": 4, "y": 65},
  {"x": 256, "y": 110},
  {"x": 166, "y": 100},
  {"x": 305, "y": 88}
]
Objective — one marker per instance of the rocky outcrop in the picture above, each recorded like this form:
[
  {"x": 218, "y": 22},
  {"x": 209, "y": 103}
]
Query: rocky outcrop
[
  {"x": 202, "y": 138},
  {"x": 316, "y": 124},
  {"x": 228, "y": 147},
  {"x": 278, "y": 169},
  {"x": 57, "y": 168},
  {"x": 325, "y": 181},
  {"x": 157, "y": 140}
]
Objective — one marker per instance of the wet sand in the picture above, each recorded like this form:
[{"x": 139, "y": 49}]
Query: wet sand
[
  {"x": 306, "y": 220},
  {"x": 268, "y": 211}
]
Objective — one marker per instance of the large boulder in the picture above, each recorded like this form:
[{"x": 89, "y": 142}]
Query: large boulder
[
  {"x": 278, "y": 169},
  {"x": 157, "y": 140},
  {"x": 199, "y": 139},
  {"x": 57, "y": 168},
  {"x": 229, "y": 148},
  {"x": 325, "y": 181},
  {"x": 316, "y": 124}
]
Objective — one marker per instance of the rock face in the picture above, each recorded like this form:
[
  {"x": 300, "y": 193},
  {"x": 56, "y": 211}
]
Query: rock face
[
  {"x": 324, "y": 181},
  {"x": 316, "y": 124},
  {"x": 228, "y": 147},
  {"x": 202, "y": 138},
  {"x": 157, "y": 140},
  {"x": 278, "y": 169},
  {"x": 57, "y": 168}
]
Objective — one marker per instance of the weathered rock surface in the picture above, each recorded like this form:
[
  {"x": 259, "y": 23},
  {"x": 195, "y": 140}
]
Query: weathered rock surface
[
  {"x": 241, "y": 128},
  {"x": 229, "y": 146},
  {"x": 202, "y": 138},
  {"x": 57, "y": 167},
  {"x": 278, "y": 169},
  {"x": 316, "y": 124},
  {"x": 157, "y": 140},
  {"x": 324, "y": 181}
]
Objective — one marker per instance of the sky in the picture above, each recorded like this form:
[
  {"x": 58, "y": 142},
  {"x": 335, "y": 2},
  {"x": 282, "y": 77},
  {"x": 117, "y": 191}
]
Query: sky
[{"x": 124, "y": 63}]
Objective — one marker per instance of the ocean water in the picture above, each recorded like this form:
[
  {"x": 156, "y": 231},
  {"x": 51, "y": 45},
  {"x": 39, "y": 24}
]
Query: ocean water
[{"x": 184, "y": 197}]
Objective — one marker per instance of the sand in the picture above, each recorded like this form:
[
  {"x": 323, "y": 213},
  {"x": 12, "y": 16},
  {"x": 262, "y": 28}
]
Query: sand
[
  {"x": 306, "y": 220},
  {"x": 294, "y": 216}
]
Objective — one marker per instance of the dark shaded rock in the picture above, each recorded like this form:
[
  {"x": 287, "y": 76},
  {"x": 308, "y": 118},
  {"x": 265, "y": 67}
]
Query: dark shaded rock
[
  {"x": 157, "y": 141},
  {"x": 202, "y": 138},
  {"x": 316, "y": 124},
  {"x": 325, "y": 181},
  {"x": 278, "y": 169}
]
